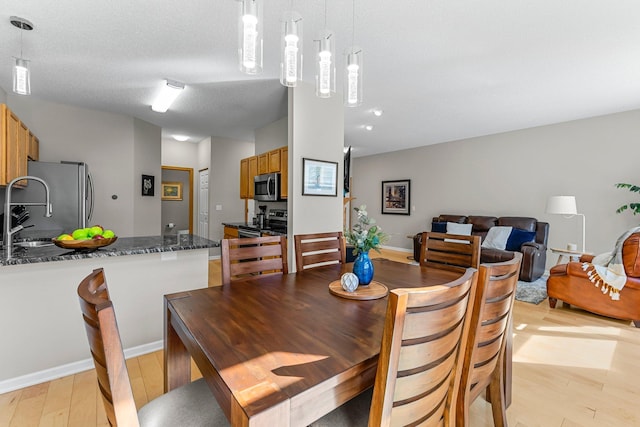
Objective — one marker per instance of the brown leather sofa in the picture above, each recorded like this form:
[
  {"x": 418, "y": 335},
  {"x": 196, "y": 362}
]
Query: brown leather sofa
[
  {"x": 534, "y": 254},
  {"x": 569, "y": 283}
]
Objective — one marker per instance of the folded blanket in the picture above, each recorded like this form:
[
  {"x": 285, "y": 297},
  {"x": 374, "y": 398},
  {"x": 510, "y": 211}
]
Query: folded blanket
[{"x": 606, "y": 270}]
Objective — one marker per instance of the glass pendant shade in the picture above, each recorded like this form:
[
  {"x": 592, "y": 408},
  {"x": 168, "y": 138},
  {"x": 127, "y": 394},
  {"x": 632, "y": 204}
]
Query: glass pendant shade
[
  {"x": 291, "y": 49},
  {"x": 325, "y": 64},
  {"x": 353, "y": 77},
  {"x": 22, "y": 77},
  {"x": 250, "y": 36}
]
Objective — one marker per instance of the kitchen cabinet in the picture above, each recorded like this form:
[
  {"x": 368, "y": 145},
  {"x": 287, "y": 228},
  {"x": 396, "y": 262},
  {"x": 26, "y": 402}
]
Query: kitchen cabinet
[
  {"x": 274, "y": 161},
  {"x": 14, "y": 143},
  {"x": 33, "y": 152},
  {"x": 17, "y": 145},
  {"x": 263, "y": 163},
  {"x": 244, "y": 178},
  {"x": 269, "y": 162},
  {"x": 284, "y": 172},
  {"x": 230, "y": 233}
]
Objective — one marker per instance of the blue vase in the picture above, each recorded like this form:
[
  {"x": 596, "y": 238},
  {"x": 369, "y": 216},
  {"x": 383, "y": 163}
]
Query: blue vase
[{"x": 363, "y": 268}]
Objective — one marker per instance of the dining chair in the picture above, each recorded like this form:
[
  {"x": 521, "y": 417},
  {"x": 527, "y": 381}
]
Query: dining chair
[
  {"x": 244, "y": 257},
  {"x": 190, "y": 405},
  {"x": 487, "y": 356},
  {"x": 315, "y": 250},
  {"x": 419, "y": 364},
  {"x": 449, "y": 251}
]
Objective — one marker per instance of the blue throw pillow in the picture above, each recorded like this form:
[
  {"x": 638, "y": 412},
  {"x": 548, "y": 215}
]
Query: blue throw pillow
[
  {"x": 439, "y": 227},
  {"x": 518, "y": 237}
]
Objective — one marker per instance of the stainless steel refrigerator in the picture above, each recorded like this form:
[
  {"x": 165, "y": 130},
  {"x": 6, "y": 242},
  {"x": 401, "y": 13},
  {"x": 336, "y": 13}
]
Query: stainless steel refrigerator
[{"x": 71, "y": 191}]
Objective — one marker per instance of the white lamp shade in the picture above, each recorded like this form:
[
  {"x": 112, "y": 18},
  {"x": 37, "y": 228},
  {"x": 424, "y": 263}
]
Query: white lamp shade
[{"x": 562, "y": 205}]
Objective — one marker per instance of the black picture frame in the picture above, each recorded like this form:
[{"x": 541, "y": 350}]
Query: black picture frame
[
  {"x": 319, "y": 178},
  {"x": 148, "y": 185},
  {"x": 396, "y": 197}
]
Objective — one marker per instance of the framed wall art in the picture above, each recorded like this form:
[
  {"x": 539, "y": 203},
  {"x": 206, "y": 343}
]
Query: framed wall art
[
  {"x": 319, "y": 178},
  {"x": 148, "y": 185},
  {"x": 396, "y": 197},
  {"x": 171, "y": 191}
]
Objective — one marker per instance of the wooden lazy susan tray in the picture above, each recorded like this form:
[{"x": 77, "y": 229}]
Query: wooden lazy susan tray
[{"x": 374, "y": 290}]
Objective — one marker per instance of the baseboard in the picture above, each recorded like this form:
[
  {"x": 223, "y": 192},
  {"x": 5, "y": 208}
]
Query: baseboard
[
  {"x": 213, "y": 257},
  {"x": 70, "y": 369},
  {"x": 393, "y": 248}
]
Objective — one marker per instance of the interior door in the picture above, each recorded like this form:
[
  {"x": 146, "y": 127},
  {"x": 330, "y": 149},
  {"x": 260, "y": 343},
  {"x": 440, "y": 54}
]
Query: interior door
[{"x": 203, "y": 204}]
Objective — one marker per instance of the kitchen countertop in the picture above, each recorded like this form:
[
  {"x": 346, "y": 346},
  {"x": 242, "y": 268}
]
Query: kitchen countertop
[
  {"x": 249, "y": 226},
  {"x": 122, "y": 246}
]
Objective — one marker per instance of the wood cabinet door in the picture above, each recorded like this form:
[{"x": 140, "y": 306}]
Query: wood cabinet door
[
  {"x": 230, "y": 233},
  {"x": 244, "y": 178},
  {"x": 3, "y": 143},
  {"x": 284, "y": 172},
  {"x": 23, "y": 148},
  {"x": 274, "y": 161},
  {"x": 253, "y": 171},
  {"x": 34, "y": 147},
  {"x": 13, "y": 139},
  {"x": 263, "y": 163}
]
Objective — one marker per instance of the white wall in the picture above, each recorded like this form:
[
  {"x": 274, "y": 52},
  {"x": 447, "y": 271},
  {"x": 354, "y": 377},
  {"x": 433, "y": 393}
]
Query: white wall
[
  {"x": 316, "y": 131},
  {"x": 272, "y": 136},
  {"x": 3, "y": 96},
  {"x": 104, "y": 140},
  {"x": 514, "y": 173},
  {"x": 146, "y": 160}
]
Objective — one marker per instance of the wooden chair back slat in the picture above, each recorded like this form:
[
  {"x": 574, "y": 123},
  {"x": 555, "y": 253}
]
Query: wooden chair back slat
[
  {"x": 436, "y": 251},
  {"x": 484, "y": 360},
  {"x": 106, "y": 350},
  {"x": 243, "y": 257},
  {"x": 418, "y": 370},
  {"x": 314, "y": 250}
]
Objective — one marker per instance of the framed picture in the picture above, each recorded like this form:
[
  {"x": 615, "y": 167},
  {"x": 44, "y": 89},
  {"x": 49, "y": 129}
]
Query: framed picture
[
  {"x": 319, "y": 178},
  {"x": 147, "y": 185},
  {"x": 171, "y": 191},
  {"x": 396, "y": 197}
]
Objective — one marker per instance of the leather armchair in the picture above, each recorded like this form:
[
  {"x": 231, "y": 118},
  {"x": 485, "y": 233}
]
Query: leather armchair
[{"x": 569, "y": 283}]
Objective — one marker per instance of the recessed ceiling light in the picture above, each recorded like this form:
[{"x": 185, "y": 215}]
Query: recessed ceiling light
[
  {"x": 368, "y": 127},
  {"x": 180, "y": 138},
  {"x": 377, "y": 113}
]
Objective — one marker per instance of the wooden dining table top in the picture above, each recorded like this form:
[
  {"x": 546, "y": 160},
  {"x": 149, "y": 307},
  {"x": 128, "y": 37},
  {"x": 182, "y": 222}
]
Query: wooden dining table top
[{"x": 283, "y": 350}]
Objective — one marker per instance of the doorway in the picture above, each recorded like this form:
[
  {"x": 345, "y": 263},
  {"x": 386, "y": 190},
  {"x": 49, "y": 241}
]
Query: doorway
[{"x": 177, "y": 208}]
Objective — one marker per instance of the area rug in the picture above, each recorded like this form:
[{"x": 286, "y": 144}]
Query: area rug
[{"x": 532, "y": 292}]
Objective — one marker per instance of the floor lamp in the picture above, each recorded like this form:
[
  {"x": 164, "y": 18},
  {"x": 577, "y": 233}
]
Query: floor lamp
[{"x": 566, "y": 205}]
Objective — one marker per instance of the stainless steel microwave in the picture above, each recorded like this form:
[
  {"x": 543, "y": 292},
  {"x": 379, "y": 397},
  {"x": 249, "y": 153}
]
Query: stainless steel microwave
[{"x": 266, "y": 187}]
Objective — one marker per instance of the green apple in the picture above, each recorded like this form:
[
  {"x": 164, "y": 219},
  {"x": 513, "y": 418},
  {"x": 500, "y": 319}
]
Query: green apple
[
  {"x": 80, "y": 234},
  {"x": 96, "y": 230},
  {"x": 108, "y": 234}
]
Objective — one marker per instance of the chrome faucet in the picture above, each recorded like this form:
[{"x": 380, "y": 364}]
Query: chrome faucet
[{"x": 8, "y": 230}]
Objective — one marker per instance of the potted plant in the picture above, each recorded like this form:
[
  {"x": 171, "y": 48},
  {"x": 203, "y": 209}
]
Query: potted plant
[
  {"x": 635, "y": 207},
  {"x": 364, "y": 236}
]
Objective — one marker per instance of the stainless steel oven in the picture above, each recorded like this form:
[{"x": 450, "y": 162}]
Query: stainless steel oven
[{"x": 246, "y": 232}]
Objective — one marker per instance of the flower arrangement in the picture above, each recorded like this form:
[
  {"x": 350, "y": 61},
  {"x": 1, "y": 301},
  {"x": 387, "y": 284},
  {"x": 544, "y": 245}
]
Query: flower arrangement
[{"x": 365, "y": 235}]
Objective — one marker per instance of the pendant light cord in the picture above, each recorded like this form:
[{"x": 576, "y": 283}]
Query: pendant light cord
[
  {"x": 353, "y": 24},
  {"x": 325, "y": 13}
]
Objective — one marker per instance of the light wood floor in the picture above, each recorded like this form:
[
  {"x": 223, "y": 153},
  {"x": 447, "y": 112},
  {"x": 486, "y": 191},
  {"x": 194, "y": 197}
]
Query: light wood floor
[{"x": 571, "y": 368}]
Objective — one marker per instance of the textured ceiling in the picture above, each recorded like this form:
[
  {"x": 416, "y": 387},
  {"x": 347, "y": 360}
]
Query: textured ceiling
[{"x": 441, "y": 70}]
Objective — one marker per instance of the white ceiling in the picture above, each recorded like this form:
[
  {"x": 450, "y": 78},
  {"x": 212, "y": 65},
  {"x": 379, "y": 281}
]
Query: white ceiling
[{"x": 441, "y": 70}]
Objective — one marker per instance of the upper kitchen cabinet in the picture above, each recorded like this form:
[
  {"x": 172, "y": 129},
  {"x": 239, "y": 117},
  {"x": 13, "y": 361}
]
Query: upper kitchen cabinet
[
  {"x": 15, "y": 142},
  {"x": 270, "y": 162},
  {"x": 263, "y": 163},
  {"x": 34, "y": 148}
]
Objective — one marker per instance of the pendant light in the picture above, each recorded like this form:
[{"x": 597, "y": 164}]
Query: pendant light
[
  {"x": 353, "y": 70},
  {"x": 325, "y": 61},
  {"x": 250, "y": 36},
  {"x": 21, "y": 70},
  {"x": 291, "y": 48}
]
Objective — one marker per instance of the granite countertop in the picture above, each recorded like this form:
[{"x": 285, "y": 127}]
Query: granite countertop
[
  {"x": 122, "y": 246},
  {"x": 249, "y": 226}
]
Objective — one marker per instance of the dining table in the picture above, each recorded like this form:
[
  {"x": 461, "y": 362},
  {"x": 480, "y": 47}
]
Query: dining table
[{"x": 282, "y": 350}]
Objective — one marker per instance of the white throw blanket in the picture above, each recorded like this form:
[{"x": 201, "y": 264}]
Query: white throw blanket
[{"x": 606, "y": 270}]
